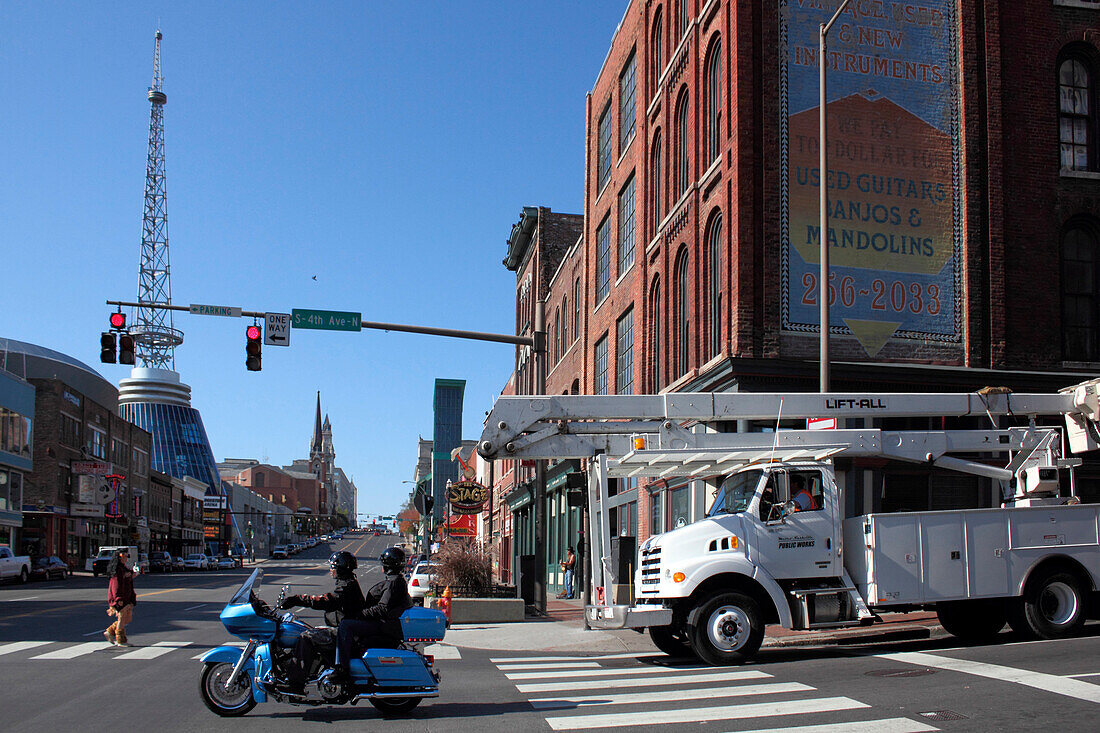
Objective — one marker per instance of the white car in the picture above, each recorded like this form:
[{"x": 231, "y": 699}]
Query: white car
[
  {"x": 280, "y": 551},
  {"x": 226, "y": 563},
  {"x": 423, "y": 575},
  {"x": 196, "y": 561}
]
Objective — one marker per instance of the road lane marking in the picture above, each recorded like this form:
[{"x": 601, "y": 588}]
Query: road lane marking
[
  {"x": 77, "y": 650},
  {"x": 706, "y": 715},
  {"x": 545, "y": 665},
  {"x": 18, "y": 646},
  {"x": 563, "y": 658},
  {"x": 154, "y": 651},
  {"x": 1048, "y": 682},
  {"x": 16, "y": 600},
  {"x": 603, "y": 672},
  {"x": 194, "y": 607},
  {"x": 99, "y": 603},
  {"x": 885, "y": 725},
  {"x": 1086, "y": 674},
  {"x": 748, "y": 674},
  {"x": 705, "y": 693}
]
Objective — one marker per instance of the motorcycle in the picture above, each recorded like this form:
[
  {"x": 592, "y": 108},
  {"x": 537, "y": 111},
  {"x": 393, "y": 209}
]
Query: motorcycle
[{"x": 235, "y": 680}]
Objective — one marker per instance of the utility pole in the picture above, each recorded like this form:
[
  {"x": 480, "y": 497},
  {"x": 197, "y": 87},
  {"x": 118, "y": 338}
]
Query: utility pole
[{"x": 539, "y": 364}]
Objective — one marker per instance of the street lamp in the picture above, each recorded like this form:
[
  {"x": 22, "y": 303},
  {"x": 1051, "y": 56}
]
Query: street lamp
[{"x": 823, "y": 185}]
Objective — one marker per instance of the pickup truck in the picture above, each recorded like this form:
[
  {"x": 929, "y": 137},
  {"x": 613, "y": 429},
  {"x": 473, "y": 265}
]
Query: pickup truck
[{"x": 14, "y": 566}]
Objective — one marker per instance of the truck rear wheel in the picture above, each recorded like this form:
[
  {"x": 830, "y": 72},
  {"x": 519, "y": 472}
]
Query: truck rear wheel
[
  {"x": 978, "y": 620},
  {"x": 728, "y": 629},
  {"x": 671, "y": 640},
  {"x": 1052, "y": 606}
]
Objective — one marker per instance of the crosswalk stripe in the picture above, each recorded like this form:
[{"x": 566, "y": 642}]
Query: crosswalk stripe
[
  {"x": 546, "y": 665},
  {"x": 602, "y": 672},
  {"x": 748, "y": 674},
  {"x": 564, "y": 658},
  {"x": 154, "y": 651},
  {"x": 18, "y": 646},
  {"x": 885, "y": 725},
  {"x": 706, "y": 693},
  {"x": 77, "y": 650},
  {"x": 701, "y": 715}
]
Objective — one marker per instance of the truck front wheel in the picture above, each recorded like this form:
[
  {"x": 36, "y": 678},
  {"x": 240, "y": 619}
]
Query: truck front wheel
[
  {"x": 671, "y": 640},
  {"x": 728, "y": 629},
  {"x": 1053, "y": 606},
  {"x": 977, "y": 620}
]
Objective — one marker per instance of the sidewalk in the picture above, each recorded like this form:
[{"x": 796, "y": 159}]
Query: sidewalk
[{"x": 563, "y": 631}]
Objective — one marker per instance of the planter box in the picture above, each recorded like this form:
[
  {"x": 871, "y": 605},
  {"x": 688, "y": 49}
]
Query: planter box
[{"x": 486, "y": 610}]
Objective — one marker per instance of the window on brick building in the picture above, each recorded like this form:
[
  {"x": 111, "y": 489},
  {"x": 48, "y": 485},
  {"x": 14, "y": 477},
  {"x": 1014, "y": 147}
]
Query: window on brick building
[
  {"x": 603, "y": 260},
  {"x": 557, "y": 335},
  {"x": 684, "y": 15},
  {"x": 683, "y": 325},
  {"x": 714, "y": 285},
  {"x": 656, "y": 49},
  {"x": 70, "y": 431},
  {"x": 628, "y": 102},
  {"x": 600, "y": 366},
  {"x": 714, "y": 100},
  {"x": 576, "y": 309},
  {"x": 626, "y": 226},
  {"x": 624, "y": 353},
  {"x": 682, "y": 151},
  {"x": 1080, "y": 293},
  {"x": 603, "y": 149},
  {"x": 1077, "y": 127},
  {"x": 97, "y": 442},
  {"x": 565, "y": 324},
  {"x": 655, "y": 195},
  {"x": 655, "y": 335}
]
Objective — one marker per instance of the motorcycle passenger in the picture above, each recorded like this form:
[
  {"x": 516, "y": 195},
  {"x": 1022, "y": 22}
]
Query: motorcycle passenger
[
  {"x": 344, "y": 602},
  {"x": 381, "y": 619}
]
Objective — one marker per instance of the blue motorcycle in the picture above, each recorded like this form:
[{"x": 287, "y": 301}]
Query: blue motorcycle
[{"x": 234, "y": 680}]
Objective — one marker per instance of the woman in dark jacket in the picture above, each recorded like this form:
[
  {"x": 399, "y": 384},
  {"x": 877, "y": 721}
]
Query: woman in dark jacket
[{"x": 120, "y": 597}]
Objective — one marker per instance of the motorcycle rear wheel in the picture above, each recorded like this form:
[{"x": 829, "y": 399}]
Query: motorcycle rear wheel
[
  {"x": 395, "y": 705},
  {"x": 226, "y": 703}
]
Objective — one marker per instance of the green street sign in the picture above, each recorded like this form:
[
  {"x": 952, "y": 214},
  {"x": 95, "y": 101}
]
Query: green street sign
[{"x": 325, "y": 320}]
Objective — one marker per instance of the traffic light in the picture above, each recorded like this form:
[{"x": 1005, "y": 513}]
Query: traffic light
[
  {"x": 254, "y": 333},
  {"x": 107, "y": 347},
  {"x": 118, "y": 321},
  {"x": 125, "y": 348}
]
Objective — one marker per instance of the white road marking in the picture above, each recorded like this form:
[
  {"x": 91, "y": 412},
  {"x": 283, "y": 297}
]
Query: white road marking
[
  {"x": 152, "y": 652},
  {"x": 93, "y": 633},
  {"x": 18, "y": 646},
  {"x": 602, "y": 672},
  {"x": 194, "y": 607},
  {"x": 77, "y": 650},
  {"x": 1086, "y": 674},
  {"x": 705, "y": 715},
  {"x": 16, "y": 600},
  {"x": 563, "y": 658},
  {"x": 886, "y": 725},
  {"x": 546, "y": 665},
  {"x": 705, "y": 693},
  {"x": 443, "y": 651},
  {"x": 748, "y": 674},
  {"x": 1048, "y": 682}
]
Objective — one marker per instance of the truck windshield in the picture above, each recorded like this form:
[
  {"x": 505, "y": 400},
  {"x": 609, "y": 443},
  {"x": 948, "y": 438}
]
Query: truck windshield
[{"x": 735, "y": 493}]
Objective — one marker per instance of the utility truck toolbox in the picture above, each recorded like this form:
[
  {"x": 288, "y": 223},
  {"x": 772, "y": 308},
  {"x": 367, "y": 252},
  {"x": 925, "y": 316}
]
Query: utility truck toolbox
[{"x": 423, "y": 624}]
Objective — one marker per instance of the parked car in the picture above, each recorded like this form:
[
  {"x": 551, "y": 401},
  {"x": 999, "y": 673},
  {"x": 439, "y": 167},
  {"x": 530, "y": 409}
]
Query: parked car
[
  {"x": 160, "y": 561},
  {"x": 47, "y": 568},
  {"x": 423, "y": 575},
  {"x": 226, "y": 563},
  {"x": 177, "y": 563},
  {"x": 103, "y": 558},
  {"x": 196, "y": 561},
  {"x": 279, "y": 551},
  {"x": 14, "y": 566}
]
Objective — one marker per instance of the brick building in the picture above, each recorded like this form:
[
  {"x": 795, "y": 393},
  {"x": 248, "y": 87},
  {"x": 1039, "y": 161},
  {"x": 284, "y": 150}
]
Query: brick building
[{"x": 964, "y": 205}]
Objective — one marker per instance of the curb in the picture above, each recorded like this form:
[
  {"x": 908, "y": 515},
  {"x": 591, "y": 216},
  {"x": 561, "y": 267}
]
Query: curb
[{"x": 867, "y": 637}]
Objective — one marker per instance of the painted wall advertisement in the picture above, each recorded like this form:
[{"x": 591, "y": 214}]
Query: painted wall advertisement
[{"x": 893, "y": 170}]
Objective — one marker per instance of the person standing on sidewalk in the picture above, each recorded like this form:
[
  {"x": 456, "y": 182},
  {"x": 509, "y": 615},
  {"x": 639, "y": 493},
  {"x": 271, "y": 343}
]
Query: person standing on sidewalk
[
  {"x": 568, "y": 565},
  {"x": 120, "y": 597}
]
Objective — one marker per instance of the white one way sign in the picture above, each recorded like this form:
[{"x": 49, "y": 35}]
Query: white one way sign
[{"x": 277, "y": 329}]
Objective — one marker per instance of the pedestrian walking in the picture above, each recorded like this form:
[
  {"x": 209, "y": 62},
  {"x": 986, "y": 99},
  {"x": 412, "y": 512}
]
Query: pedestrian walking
[
  {"x": 120, "y": 597},
  {"x": 568, "y": 565}
]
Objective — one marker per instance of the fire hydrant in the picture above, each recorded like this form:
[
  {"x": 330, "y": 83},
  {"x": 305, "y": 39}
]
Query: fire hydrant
[{"x": 445, "y": 604}]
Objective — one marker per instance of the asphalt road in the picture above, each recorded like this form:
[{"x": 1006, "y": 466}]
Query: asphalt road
[{"x": 57, "y": 673}]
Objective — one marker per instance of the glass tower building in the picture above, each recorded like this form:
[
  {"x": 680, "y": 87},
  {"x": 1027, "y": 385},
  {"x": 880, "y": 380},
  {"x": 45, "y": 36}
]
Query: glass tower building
[{"x": 447, "y": 408}]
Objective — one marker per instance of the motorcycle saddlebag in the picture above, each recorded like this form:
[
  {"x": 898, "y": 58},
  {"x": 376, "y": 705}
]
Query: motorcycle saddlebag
[{"x": 423, "y": 624}]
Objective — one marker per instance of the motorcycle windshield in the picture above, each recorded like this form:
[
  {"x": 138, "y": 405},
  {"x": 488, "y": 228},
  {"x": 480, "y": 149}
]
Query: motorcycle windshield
[{"x": 244, "y": 593}]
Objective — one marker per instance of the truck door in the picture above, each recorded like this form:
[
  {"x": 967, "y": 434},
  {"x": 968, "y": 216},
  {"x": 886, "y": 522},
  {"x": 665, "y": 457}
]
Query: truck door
[{"x": 796, "y": 527}]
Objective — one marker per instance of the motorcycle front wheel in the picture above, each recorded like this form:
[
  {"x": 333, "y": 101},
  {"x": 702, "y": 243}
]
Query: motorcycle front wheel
[
  {"x": 395, "y": 705},
  {"x": 229, "y": 703}
]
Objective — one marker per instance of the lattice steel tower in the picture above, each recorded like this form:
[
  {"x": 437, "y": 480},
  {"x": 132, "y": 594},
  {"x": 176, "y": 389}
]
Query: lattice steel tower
[{"x": 155, "y": 338}]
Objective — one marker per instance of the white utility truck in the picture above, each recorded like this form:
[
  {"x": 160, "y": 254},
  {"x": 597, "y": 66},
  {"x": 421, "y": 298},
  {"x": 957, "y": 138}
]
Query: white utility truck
[{"x": 775, "y": 546}]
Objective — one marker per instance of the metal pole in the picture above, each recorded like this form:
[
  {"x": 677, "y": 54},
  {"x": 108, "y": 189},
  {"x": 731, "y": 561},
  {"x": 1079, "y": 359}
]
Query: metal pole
[
  {"x": 539, "y": 363},
  {"x": 823, "y": 191}
]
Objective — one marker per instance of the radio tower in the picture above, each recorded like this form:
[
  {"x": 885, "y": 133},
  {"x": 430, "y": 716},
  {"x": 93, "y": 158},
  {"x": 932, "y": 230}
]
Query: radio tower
[{"x": 155, "y": 338}]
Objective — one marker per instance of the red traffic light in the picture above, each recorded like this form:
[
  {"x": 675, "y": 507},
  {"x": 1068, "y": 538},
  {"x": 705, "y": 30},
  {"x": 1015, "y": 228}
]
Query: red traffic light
[
  {"x": 252, "y": 332},
  {"x": 118, "y": 320}
]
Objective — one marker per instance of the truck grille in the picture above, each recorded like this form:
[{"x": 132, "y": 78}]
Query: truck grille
[{"x": 651, "y": 570}]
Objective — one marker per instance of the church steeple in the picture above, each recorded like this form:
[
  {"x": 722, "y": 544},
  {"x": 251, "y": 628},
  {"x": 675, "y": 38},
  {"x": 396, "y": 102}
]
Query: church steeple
[{"x": 316, "y": 444}]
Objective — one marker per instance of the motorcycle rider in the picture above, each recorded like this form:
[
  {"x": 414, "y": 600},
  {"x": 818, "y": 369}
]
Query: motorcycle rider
[
  {"x": 344, "y": 602},
  {"x": 380, "y": 622}
]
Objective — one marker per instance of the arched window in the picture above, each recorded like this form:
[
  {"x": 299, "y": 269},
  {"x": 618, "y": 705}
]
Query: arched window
[
  {"x": 682, "y": 160},
  {"x": 714, "y": 285},
  {"x": 565, "y": 324},
  {"x": 576, "y": 388},
  {"x": 682, "y": 315},
  {"x": 1080, "y": 293},
  {"x": 714, "y": 100},
  {"x": 557, "y": 335},
  {"x": 657, "y": 50},
  {"x": 655, "y": 334},
  {"x": 655, "y": 196},
  {"x": 576, "y": 309},
  {"x": 1077, "y": 127},
  {"x": 684, "y": 15}
]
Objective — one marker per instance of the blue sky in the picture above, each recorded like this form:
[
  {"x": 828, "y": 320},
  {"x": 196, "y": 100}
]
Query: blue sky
[{"x": 386, "y": 148}]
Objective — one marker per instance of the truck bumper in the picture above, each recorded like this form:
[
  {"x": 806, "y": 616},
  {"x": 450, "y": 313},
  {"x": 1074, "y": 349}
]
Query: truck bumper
[{"x": 627, "y": 617}]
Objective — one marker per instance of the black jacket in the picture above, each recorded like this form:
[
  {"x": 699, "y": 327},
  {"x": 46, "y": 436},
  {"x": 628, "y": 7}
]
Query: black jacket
[
  {"x": 345, "y": 601},
  {"x": 386, "y": 601}
]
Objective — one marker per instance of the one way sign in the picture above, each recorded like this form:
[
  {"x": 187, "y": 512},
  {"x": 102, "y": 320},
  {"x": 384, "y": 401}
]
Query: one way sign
[{"x": 277, "y": 329}]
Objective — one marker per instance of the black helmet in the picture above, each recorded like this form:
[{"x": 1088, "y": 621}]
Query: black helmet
[
  {"x": 392, "y": 559},
  {"x": 343, "y": 562}
]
